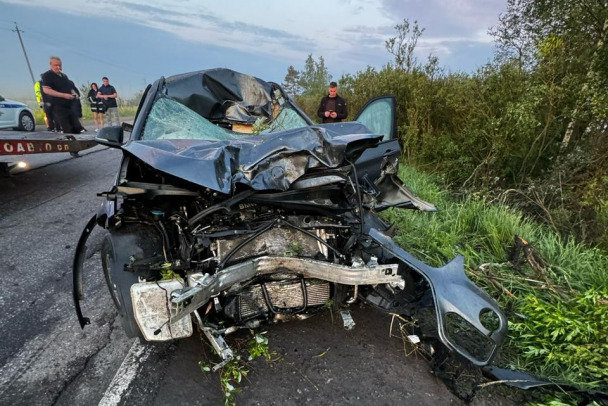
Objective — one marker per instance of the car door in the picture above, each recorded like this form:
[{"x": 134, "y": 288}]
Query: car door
[
  {"x": 380, "y": 116},
  {"x": 6, "y": 116}
]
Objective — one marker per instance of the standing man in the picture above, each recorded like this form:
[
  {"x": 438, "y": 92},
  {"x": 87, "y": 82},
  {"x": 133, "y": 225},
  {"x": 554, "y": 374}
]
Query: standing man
[
  {"x": 58, "y": 87},
  {"x": 108, "y": 96},
  {"x": 333, "y": 108},
  {"x": 52, "y": 124},
  {"x": 40, "y": 98}
]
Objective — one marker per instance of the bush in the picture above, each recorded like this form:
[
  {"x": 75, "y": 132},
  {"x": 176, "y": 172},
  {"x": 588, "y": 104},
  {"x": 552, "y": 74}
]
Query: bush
[{"x": 555, "y": 299}]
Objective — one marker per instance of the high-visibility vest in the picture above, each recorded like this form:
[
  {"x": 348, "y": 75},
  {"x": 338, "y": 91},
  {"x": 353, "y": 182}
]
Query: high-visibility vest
[{"x": 38, "y": 92}]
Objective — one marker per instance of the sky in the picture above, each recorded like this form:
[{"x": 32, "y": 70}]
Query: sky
[{"x": 135, "y": 42}]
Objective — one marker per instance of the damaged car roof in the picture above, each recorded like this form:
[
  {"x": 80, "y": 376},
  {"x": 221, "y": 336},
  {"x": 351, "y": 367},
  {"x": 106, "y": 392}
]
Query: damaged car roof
[
  {"x": 189, "y": 133},
  {"x": 219, "y": 93}
]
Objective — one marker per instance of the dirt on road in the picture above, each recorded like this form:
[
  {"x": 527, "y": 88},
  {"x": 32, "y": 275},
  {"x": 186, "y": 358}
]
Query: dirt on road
[{"x": 319, "y": 363}]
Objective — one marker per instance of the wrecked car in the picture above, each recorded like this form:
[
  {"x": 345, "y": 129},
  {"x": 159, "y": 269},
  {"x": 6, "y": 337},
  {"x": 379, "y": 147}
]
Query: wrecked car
[{"x": 231, "y": 209}]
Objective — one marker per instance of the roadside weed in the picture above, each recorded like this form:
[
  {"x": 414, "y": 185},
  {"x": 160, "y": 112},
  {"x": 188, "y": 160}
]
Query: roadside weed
[
  {"x": 167, "y": 273},
  {"x": 258, "y": 347},
  {"x": 565, "y": 339},
  {"x": 231, "y": 374},
  {"x": 553, "y": 291},
  {"x": 237, "y": 368}
]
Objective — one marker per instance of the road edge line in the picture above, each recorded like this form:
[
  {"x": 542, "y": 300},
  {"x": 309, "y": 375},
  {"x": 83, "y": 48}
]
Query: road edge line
[{"x": 131, "y": 365}]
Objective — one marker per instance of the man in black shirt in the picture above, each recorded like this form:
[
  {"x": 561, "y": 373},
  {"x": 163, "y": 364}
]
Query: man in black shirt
[
  {"x": 59, "y": 88},
  {"x": 107, "y": 93},
  {"x": 333, "y": 108}
]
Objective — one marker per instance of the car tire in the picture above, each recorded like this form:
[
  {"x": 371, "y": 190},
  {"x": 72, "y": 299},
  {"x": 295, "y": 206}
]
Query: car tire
[
  {"x": 26, "y": 122},
  {"x": 119, "y": 291},
  {"x": 118, "y": 249}
]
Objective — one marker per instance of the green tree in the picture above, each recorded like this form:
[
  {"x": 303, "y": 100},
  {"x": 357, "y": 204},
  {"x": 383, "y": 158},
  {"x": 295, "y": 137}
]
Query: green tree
[
  {"x": 315, "y": 76},
  {"x": 533, "y": 29},
  {"x": 512, "y": 38},
  {"x": 322, "y": 76},
  {"x": 307, "y": 75},
  {"x": 562, "y": 113},
  {"x": 290, "y": 83},
  {"x": 403, "y": 45}
]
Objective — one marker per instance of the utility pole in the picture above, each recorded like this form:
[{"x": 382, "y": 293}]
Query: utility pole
[{"x": 18, "y": 31}]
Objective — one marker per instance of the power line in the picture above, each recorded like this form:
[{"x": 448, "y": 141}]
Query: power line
[{"x": 44, "y": 38}]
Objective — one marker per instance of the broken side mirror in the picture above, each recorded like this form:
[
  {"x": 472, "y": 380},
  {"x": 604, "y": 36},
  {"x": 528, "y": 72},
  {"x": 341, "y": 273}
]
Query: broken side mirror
[{"x": 110, "y": 136}]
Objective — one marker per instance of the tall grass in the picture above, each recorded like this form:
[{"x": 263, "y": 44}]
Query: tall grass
[{"x": 556, "y": 298}]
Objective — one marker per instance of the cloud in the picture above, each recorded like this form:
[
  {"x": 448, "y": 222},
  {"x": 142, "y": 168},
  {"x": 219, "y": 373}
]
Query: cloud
[
  {"x": 193, "y": 22},
  {"x": 344, "y": 32},
  {"x": 146, "y": 9},
  {"x": 455, "y": 17}
]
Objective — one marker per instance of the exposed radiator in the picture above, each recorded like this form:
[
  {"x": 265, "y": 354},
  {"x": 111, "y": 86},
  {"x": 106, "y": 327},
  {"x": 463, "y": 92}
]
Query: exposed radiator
[{"x": 284, "y": 296}]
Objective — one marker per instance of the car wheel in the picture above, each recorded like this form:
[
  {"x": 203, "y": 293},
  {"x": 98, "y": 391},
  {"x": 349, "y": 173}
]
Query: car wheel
[
  {"x": 26, "y": 121},
  {"x": 119, "y": 248}
]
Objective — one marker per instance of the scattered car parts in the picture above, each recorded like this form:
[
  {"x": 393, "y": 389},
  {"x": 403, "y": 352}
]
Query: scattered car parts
[{"x": 232, "y": 209}]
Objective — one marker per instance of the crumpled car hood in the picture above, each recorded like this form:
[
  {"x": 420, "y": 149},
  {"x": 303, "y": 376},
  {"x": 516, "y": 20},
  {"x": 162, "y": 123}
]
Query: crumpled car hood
[{"x": 264, "y": 162}]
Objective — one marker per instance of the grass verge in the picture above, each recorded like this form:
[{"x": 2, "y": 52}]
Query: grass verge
[
  {"x": 555, "y": 292},
  {"x": 123, "y": 111}
]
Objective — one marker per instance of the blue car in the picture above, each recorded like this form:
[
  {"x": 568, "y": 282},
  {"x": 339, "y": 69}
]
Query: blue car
[{"x": 232, "y": 209}]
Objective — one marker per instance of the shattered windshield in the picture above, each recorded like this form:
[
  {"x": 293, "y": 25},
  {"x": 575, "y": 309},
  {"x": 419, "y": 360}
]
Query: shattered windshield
[
  {"x": 286, "y": 120},
  {"x": 169, "y": 119}
]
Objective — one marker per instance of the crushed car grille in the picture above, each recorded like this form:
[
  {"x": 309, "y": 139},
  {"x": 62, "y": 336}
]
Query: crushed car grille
[{"x": 284, "y": 296}]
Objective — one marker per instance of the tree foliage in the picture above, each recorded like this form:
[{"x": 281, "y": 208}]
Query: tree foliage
[
  {"x": 311, "y": 84},
  {"x": 403, "y": 45},
  {"x": 529, "y": 128},
  {"x": 315, "y": 76},
  {"x": 291, "y": 81}
]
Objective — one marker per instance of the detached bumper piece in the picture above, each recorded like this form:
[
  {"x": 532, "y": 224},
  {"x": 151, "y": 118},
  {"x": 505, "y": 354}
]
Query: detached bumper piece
[{"x": 469, "y": 322}]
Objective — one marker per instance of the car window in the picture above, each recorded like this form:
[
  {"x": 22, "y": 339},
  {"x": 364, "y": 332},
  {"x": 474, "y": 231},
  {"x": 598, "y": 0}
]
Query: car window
[
  {"x": 169, "y": 119},
  {"x": 377, "y": 116},
  {"x": 287, "y": 119}
]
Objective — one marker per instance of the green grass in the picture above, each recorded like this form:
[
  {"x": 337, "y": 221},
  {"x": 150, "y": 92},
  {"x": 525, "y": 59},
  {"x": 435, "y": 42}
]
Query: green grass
[
  {"x": 123, "y": 111},
  {"x": 557, "y": 302}
]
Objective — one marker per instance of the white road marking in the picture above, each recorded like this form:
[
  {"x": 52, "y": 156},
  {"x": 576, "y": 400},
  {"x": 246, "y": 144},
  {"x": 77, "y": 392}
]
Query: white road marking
[{"x": 127, "y": 372}]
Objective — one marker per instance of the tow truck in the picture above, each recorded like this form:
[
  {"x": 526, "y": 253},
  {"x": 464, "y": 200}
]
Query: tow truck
[{"x": 14, "y": 144}]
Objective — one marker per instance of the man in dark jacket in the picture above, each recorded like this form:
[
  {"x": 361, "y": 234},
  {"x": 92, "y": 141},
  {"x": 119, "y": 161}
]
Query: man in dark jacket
[
  {"x": 333, "y": 108},
  {"x": 107, "y": 93},
  {"x": 77, "y": 109},
  {"x": 59, "y": 88}
]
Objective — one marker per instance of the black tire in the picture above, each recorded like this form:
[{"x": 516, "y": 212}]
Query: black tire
[
  {"x": 26, "y": 122},
  {"x": 117, "y": 249},
  {"x": 119, "y": 290}
]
